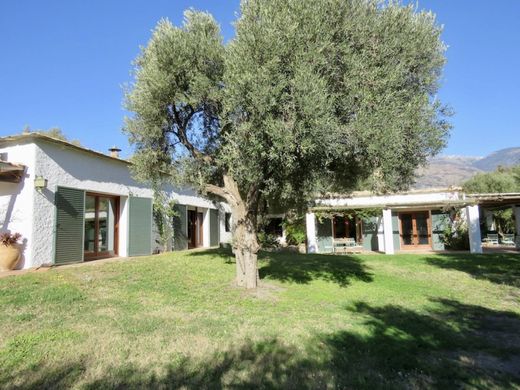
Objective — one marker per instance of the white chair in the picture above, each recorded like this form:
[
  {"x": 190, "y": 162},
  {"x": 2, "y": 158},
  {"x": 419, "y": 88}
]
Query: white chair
[
  {"x": 492, "y": 239},
  {"x": 509, "y": 240}
]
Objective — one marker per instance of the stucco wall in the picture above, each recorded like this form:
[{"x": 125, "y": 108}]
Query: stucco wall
[
  {"x": 189, "y": 197},
  {"x": 225, "y": 237},
  {"x": 16, "y": 199}
]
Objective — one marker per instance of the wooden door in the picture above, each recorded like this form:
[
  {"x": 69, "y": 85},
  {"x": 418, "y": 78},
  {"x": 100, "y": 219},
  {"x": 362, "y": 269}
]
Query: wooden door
[
  {"x": 415, "y": 230},
  {"x": 200, "y": 233},
  {"x": 195, "y": 230},
  {"x": 192, "y": 229}
]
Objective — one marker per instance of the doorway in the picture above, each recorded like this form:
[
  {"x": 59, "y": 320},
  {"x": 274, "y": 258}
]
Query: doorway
[
  {"x": 101, "y": 226},
  {"x": 348, "y": 226},
  {"x": 195, "y": 229},
  {"x": 415, "y": 230}
]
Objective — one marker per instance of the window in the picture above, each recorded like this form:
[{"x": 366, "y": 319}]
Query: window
[
  {"x": 274, "y": 227},
  {"x": 227, "y": 222}
]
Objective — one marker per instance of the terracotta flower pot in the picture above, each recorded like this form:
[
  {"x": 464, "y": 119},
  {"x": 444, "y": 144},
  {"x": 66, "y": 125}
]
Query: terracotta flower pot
[{"x": 9, "y": 257}]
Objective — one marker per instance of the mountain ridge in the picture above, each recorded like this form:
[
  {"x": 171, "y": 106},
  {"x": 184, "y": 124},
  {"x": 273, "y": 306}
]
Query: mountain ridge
[{"x": 454, "y": 170}]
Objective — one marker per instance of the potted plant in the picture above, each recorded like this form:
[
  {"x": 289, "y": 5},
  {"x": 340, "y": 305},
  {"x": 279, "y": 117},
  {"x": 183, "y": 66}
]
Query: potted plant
[{"x": 9, "y": 250}]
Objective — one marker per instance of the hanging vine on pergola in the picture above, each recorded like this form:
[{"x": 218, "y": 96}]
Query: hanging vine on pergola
[{"x": 363, "y": 214}]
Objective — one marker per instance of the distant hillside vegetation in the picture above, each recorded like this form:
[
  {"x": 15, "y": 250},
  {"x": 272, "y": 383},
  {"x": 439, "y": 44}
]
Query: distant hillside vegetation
[{"x": 445, "y": 171}]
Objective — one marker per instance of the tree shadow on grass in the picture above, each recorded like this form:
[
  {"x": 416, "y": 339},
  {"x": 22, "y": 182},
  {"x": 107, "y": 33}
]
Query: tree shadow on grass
[
  {"x": 299, "y": 268},
  {"x": 267, "y": 364},
  {"x": 452, "y": 345},
  {"x": 497, "y": 268},
  {"x": 44, "y": 377},
  {"x": 221, "y": 253}
]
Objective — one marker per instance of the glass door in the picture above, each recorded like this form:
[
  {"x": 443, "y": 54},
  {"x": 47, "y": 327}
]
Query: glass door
[
  {"x": 422, "y": 229},
  {"x": 346, "y": 227},
  {"x": 407, "y": 229},
  {"x": 100, "y": 226},
  {"x": 90, "y": 226},
  {"x": 415, "y": 230}
]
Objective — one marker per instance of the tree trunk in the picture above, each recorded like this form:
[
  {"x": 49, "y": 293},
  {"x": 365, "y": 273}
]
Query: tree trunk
[
  {"x": 246, "y": 248},
  {"x": 245, "y": 243}
]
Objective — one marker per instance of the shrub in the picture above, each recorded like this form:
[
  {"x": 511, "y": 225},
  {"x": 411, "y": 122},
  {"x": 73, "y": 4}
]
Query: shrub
[
  {"x": 456, "y": 236},
  {"x": 268, "y": 241},
  {"x": 295, "y": 231}
]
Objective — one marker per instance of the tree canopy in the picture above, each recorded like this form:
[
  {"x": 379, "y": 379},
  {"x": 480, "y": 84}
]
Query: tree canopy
[
  {"x": 502, "y": 180},
  {"x": 54, "y": 132},
  {"x": 310, "y": 96}
]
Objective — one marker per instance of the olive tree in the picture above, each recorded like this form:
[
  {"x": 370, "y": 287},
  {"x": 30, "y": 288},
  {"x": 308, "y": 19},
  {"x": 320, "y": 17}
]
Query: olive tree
[
  {"x": 502, "y": 180},
  {"x": 310, "y": 96}
]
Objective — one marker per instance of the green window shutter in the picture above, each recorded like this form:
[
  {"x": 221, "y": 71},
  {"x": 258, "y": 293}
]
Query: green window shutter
[
  {"x": 370, "y": 226},
  {"x": 180, "y": 227},
  {"x": 324, "y": 236},
  {"x": 140, "y": 226},
  {"x": 395, "y": 231},
  {"x": 214, "y": 239},
  {"x": 70, "y": 226},
  {"x": 440, "y": 221}
]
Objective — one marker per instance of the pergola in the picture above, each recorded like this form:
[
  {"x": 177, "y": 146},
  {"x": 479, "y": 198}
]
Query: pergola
[
  {"x": 490, "y": 200},
  {"x": 471, "y": 204}
]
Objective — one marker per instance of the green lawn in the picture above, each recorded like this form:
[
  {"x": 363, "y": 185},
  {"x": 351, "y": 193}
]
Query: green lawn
[{"x": 175, "y": 320}]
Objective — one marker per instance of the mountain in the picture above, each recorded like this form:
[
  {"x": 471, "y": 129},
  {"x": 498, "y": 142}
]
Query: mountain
[
  {"x": 505, "y": 157},
  {"x": 446, "y": 171}
]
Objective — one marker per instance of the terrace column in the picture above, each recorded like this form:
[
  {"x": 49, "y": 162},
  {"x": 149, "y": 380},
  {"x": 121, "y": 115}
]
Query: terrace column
[
  {"x": 310, "y": 227},
  {"x": 388, "y": 232},
  {"x": 475, "y": 239},
  {"x": 516, "y": 212}
]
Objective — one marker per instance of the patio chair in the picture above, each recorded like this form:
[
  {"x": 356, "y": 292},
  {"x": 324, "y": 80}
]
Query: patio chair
[
  {"x": 492, "y": 239},
  {"x": 346, "y": 245},
  {"x": 509, "y": 240}
]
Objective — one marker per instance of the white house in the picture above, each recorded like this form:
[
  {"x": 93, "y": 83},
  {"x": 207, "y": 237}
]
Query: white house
[
  {"x": 413, "y": 220},
  {"x": 72, "y": 204}
]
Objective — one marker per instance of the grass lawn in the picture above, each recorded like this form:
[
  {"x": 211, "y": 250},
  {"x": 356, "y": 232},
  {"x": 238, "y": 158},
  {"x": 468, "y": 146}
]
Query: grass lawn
[{"x": 175, "y": 320}]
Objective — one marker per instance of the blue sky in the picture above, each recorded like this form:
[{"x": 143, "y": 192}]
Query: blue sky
[{"x": 64, "y": 63}]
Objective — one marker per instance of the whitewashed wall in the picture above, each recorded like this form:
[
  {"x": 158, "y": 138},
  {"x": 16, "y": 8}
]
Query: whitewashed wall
[
  {"x": 16, "y": 199},
  {"x": 225, "y": 237},
  {"x": 189, "y": 196}
]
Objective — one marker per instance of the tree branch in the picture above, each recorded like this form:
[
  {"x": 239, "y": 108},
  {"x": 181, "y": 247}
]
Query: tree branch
[
  {"x": 222, "y": 192},
  {"x": 183, "y": 137},
  {"x": 252, "y": 196}
]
